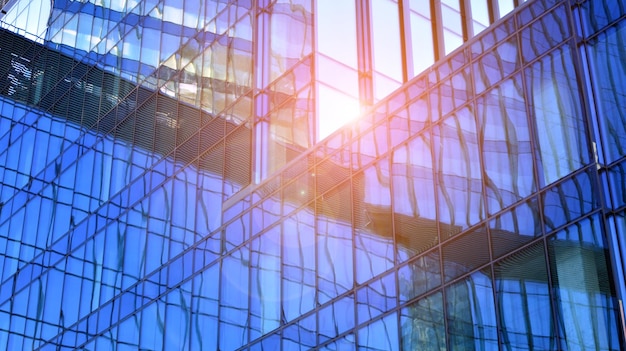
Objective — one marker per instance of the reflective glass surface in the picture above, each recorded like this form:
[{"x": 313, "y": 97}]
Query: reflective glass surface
[{"x": 168, "y": 180}]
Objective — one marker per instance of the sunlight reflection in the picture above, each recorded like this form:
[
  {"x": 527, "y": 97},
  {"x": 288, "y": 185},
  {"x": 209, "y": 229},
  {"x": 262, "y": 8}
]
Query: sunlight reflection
[{"x": 335, "y": 109}]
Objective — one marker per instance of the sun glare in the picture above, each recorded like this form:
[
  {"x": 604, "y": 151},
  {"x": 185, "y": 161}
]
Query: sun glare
[{"x": 335, "y": 109}]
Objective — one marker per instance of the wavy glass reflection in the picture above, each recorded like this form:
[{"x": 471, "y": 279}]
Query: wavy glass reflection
[
  {"x": 458, "y": 172},
  {"x": 506, "y": 145},
  {"x": 555, "y": 97}
]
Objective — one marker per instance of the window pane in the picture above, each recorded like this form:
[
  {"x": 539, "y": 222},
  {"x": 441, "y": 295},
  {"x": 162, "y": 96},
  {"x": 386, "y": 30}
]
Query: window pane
[
  {"x": 506, "y": 145},
  {"x": 386, "y": 39},
  {"x": 524, "y": 300},
  {"x": 463, "y": 254},
  {"x": 422, "y": 325},
  {"x": 458, "y": 171},
  {"x": 422, "y": 39},
  {"x": 414, "y": 198},
  {"x": 380, "y": 335},
  {"x": 480, "y": 15},
  {"x": 471, "y": 313},
  {"x": 419, "y": 276},
  {"x": 505, "y": 6},
  {"x": 555, "y": 96},
  {"x": 336, "y": 30},
  {"x": 515, "y": 227},
  {"x": 607, "y": 57},
  {"x": 586, "y": 304},
  {"x": 452, "y": 25}
]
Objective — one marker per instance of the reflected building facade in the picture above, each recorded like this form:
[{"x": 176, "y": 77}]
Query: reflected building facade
[{"x": 172, "y": 176}]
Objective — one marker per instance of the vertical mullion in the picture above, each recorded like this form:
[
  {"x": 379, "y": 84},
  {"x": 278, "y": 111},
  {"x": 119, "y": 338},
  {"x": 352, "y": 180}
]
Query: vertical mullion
[
  {"x": 406, "y": 40},
  {"x": 494, "y": 11},
  {"x": 465, "y": 9},
  {"x": 364, "y": 48},
  {"x": 437, "y": 26}
]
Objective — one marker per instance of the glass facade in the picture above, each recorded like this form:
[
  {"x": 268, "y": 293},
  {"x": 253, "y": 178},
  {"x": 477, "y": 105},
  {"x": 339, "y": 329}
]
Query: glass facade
[{"x": 295, "y": 175}]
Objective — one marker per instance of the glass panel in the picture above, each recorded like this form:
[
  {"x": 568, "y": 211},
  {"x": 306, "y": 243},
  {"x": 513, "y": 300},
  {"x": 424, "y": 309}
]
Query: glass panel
[
  {"x": 234, "y": 297},
  {"x": 290, "y": 36},
  {"x": 345, "y": 343},
  {"x": 265, "y": 295},
  {"x": 419, "y": 276},
  {"x": 421, "y": 36},
  {"x": 383, "y": 85},
  {"x": 597, "y": 14},
  {"x": 300, "y": 336},
  {"x": 335, "y": 109},
  {"x": 458, "y": 171},
  {"x": 480, "y": 15},
  {"x": 422, "y": 325},
  {"x": 463, "y": 254},
  {"x": 336, "y": 30},
  {"x": 523, "y": 298},
  {"x": 606, "y": 57},
  {"x": 586, "y": 303},
  {"x": 376, "y": 298},
  {"x": 204, "y": 312},
  {"x": 374, "y": 244},
  {"x": 419, "y": 115},
  {"x": 177, "y": 318},
  {"x": 334, "y": 243},
  {"x": 570, "y": 200},
  {"x": 452, "y": 93},
  {"x": 506, "y": 145},
  {"x": 337, "y": 75},
  {"x": 471, "y": 313},
  {"x": 152, "y": 327},
  {"x": 298, "y": 264},
  {"x": 452, "y": 25},
  {"x": 544, "y": 34},
  {"x": 515, "y": 227},
  {"x": 414, "y": 198},
  {"x": 618, "y": 184},
  {"x": 380, "y": 335},
  {"x": 370, "y": 146},
  {"x": 337, "y": 318},
  {"x": 505, "y": 6},
  {"x": 497, "y": 64},
  {"x": 128, "y": 332},
  {"x": 271, "y": 342},
  {"x": 561, "y": 130},
  {"x": 28, "y": 18},
  {"x": 386, "y": 46}
]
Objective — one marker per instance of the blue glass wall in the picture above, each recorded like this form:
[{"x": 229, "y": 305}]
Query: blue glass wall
[{"x": 478, "y": 207}]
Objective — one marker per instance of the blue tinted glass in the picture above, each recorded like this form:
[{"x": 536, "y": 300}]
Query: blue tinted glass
[
  {"x": 422, "y": 324},
  {"x": 515, "y": 227},
  {"x": 372, "y": 218},
  {"x": 415, "y": 209},
  {"x": 337, "y": 318},
  {"x": 606, "y": 57},
  {"x": 377, "y": 297},
  {"x": 334, "y": 243},
  {"x": 523, "y": 298},
  {"x": 265, "y": 294},
  {"x": 471, "y": 313},
  {"x": 506, "y": 145},
  {"x": 545, "y": 33},
  {"x": 570, "y": 200},
  {"x": 300, "y": 336},
  {"x": 419, "y": 276},
  {"x": 599, "y": 13},
  {"x": 586, "y": 304},
  {"x": 559, "y": 125},
  {"x": 458, "y": 172},
  {"x": 380, "y": 335}
]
